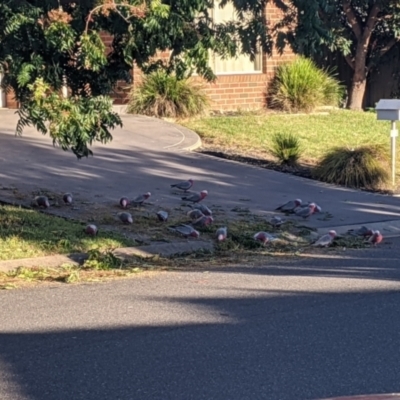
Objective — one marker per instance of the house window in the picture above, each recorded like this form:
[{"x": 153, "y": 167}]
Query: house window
[{"x": 241, "y": 64}]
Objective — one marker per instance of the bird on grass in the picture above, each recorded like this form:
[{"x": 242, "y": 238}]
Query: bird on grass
[
  {"x": 264, "y": 237},
  {"x": 305, "y": 212},
  {"x": 363, "y": 231},
  {"x": 196, "y": 197},
  {"x": 67, "y": 198},
  {"x": 125, "y": 217},
  {"x": 41, "y": 201},
  {"x": 289, "y": 206},
  {"x": 195, "y": 214},
  {"x": 221, "y": 234},
  {"x": 124, "y": 202},
  {"x": 203, "y": 221},
  {"x": 276, "y": 221},
  {"x": 162, "y": 216},
  {"x": 325, "y": 240},
  {"x": 139, "y": 200},
  {"x": 91, "y": 230},
  {"x": 185, "y": 230},
  {"x": 203, "y": 208},
  {"x": 376, "y": 238},
  {"x": 184, "y": 185}
]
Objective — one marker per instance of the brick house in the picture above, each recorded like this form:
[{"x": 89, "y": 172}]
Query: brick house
[{"x": 240, "y": 84}]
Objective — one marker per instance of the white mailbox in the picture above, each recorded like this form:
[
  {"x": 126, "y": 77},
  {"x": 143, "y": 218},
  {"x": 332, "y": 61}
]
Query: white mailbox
[{"x": 388, "y": 109}]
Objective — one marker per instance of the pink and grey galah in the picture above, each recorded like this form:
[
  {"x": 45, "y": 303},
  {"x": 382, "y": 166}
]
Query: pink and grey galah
[
  {"x": 222, "y": 233},
  {"x": 41, "y": 201},
  {"x": 325, "y": 240},
  {"x": 91, "y": 230},
  {"x": 203, "y": 208},
  {"x": 376, "y": 238},
  {"x": 264, "y": 237},
  {"x": 67, "y": 198},
  {"x": 162, "y": 216},
  {"x": 305, "y": 212},
  {"x": 184, "y": 185},
  {"x": 203, "y": 221},
  {"x": 363, "y": 231},
  {"x": 317, "y": 208},
  {"x": 124, "y": 202},
  {"x": 195, "y": 214},
  {"x": 141, "y": 199},
  {"x": 185, "y": 230},
  {"x": 289, "y": 206},
  {"x": 196, "y": 197},
  {"x": 276, "y": 221},
  {"x": 125, "y": 217}
]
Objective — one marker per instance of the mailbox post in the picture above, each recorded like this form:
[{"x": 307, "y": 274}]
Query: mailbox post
[{"x": 389, "y": 110}]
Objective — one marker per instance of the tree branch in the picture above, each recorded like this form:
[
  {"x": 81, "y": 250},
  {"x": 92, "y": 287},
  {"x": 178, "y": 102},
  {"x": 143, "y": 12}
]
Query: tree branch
[
  {"x": 352, "y": 19},
  {"x": 350, "y": 61},
  {"x": 371, "y": 22},
  {"x": 383, "y": 51}
]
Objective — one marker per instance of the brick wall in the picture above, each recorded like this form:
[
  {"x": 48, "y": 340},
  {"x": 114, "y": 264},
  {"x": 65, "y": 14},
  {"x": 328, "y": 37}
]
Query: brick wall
[{"x": 241, "y": 91}]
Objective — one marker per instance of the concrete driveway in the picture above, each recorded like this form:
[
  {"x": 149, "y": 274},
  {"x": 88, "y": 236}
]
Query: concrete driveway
[{"x": 149, "y": 155}]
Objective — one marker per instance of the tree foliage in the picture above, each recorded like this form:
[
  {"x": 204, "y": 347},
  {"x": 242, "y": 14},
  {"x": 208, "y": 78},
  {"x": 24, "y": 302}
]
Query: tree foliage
[
  {"x": 361, "y": 30},
  {"x": 45, "y": 44}
]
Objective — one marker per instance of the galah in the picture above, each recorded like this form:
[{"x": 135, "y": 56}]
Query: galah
[
  {"x": 376, "y": 238},
  {"x": 42, "y": 201},
  {"x": 305, "y": 212},
  {"x": 91, "y": 230},
  {"x": 221, "y": 233},
  {"x": 185, "y": 230},
  {"x": 325, "y": 240},
  {"x": 264, "y": 237},
  {"x": 289, "y": 206},
  {"x": 203, "y": 208},
  {"x": 162, "y": 215},
  {"x": 141, "y": 199},
  {"x": 276, "y": 221},
  {"x": 203, "y": 221},
  {"x": 184, "y": 185},
  {"x": 125, "y": 217},
  {"x": 196, "y": 197},
  {"x": 317, "y": 208},
  {"x": 195, "y": 214},
  {"x": 67, "y": 198},
  {"x": 124, "y": 202},
  {"x": 363, "y": 231}
]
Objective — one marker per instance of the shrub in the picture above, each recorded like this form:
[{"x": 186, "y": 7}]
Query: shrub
[
  {"x": 286, "y": 148},
  {"x": 364, "y": 167},
  {"x": 164, "y": 95},
  {"x": 302, "y": 86}
]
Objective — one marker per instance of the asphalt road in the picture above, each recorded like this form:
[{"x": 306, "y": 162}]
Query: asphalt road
[{"x": 309, "y": 329}]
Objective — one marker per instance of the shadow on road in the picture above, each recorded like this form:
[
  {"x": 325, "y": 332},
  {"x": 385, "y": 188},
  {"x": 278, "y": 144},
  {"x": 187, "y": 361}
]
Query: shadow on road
[{"x": 275, "y": 345}]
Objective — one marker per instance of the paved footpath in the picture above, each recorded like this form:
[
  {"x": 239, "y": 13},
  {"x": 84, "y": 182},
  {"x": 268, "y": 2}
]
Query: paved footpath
[{"x": 149, "y": 154}]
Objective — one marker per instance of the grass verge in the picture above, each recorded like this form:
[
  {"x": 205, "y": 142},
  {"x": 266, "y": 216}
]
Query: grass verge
[
  {"x": 28, "y": 233},
  {"x": 251, "y": 134}
]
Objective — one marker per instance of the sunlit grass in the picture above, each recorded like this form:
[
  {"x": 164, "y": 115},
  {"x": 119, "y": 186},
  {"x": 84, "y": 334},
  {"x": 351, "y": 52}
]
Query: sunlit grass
[
  {"x": 251, "y": 133},
  {"x": 27, "y": 233}
]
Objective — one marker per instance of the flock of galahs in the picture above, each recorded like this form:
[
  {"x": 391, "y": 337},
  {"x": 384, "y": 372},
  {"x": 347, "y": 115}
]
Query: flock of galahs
[{"x": 201, "y": 216}]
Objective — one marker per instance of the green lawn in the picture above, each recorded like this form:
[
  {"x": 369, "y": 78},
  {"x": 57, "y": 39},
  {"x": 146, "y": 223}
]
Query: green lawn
[
  {"x": 250, "y": 134},
  {"x": 28, "y": 233}
]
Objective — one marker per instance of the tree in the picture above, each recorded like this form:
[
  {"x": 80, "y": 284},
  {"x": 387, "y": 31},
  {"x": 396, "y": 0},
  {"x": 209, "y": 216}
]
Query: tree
[
  {"x": 47, "y": 44},
  {"x": 361, "y": 30}
]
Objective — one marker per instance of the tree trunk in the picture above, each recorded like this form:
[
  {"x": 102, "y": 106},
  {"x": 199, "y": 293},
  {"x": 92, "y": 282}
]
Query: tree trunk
[
  {"x": 357, "y": 91},
  {"x": 359, "y": 81}
]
